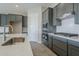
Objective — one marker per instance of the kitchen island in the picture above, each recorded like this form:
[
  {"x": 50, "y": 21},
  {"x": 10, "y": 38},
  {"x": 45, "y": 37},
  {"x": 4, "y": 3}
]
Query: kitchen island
[{"x": 16, "y": 49}]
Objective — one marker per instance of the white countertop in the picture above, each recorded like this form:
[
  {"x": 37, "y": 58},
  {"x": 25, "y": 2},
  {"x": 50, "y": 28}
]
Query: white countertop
[
  {"x": 10, "y": 36},
  {"x": 52, "y": 34},
  {"x": 18, "y": 49}
]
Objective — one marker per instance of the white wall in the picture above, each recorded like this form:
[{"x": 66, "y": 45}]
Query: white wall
[{"x": 34, "y": 24}]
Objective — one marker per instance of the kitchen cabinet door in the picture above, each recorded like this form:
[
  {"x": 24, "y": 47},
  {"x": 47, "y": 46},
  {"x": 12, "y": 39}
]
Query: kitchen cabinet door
[
  {"x": 18, "y": 18},
  {"x": 50, "y": 16},
  {"x": 76, "y": 8},
  {"x": 68, "y": 7},
  {"x": 73, "y": 48},
  {"x": 60, "y": 46},
  {"x": 50, "y": 42},
  {"x": 60, "y": 9},
  {"x": 0, "y": 20},
  {"x": 54, "y": 16},
  {"x": 45, "y": 19},
  {"x": 24, "y": 21},
  {"x": 56, "y": 21},
  {"x": 12, "y": 17},
  {"x": 4, "y": 19},
  {"x": 76, "y": 13},
  {"x": 45, "y": 16},
  {"x": 24, "y": 24}
]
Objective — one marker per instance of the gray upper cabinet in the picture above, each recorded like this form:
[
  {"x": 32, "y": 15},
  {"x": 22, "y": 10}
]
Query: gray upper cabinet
[
  {"x": 18, "y": 18},
  {"x": 78, "y": 13},
  {"x": 4, "y": 19},
  {"x": 11, "y": 17},
  {"x": 50, "y": 16},
  {"x": 64, "y": 8},
  {"x": 54, "y": 16},
  {"x": 47, "y": 17},
  {"x": 0, "y": 20},
  {"x": 76, "y": 9},
  {"x": 24, "y": 21},
  {"x": 68, "y": 7},
  {"x": 60, "y": 9}
]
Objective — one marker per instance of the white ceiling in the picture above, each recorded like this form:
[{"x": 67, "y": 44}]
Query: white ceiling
[{"x": 22, "y": 7}]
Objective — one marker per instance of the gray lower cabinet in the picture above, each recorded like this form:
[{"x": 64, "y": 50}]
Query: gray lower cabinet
[
  {"x": 73, "y": 48},
  {"x": 63, "y": 47},
  {"x": 50, "y": 42},
  {"x": 45, "y": 42},
  {"x": 60, "y": 46}
]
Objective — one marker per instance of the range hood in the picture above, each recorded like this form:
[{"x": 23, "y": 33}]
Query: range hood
[{"x": 66, "y": 15}]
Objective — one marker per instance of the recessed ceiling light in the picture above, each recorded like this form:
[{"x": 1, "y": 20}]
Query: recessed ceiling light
[{"x": 17, "y": 6}]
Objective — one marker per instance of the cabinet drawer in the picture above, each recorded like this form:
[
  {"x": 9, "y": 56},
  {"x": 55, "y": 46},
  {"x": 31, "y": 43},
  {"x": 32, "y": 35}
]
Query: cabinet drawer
[
  {"x": 73, "y": 50},
  {"x": 59, "y": 51},
  {"x": 61, "y": 44}
]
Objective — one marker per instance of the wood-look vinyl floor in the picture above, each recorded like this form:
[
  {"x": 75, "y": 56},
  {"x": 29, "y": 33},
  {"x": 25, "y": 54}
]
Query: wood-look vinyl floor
[{"x": 40, "y": 50}]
